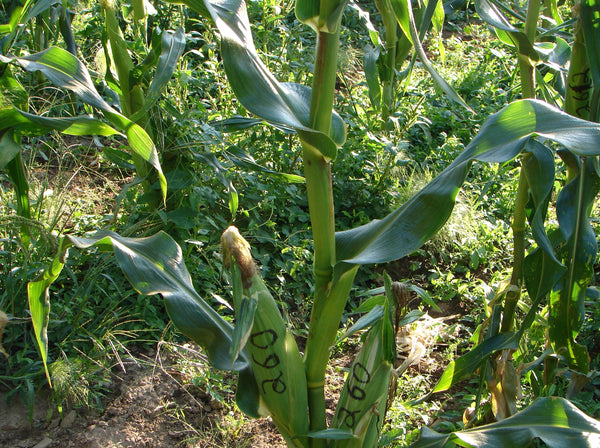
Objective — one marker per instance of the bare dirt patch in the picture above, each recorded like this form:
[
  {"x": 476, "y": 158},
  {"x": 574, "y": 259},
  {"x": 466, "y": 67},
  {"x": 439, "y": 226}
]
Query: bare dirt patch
[{"x": 149, "y": 405}]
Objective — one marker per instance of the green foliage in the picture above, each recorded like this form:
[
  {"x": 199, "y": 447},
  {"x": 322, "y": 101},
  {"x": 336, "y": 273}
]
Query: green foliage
[{"x": 395, "y": 149}]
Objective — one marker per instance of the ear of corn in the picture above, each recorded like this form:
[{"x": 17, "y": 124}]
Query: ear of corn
[
  {"x": 362, "y": 403},
  {"x": 276, "y": 361}
]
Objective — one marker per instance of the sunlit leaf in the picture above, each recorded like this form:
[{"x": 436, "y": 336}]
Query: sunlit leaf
[
  {"x": 502, "y": 137},
  {"x": 555, "y": 421},
  {"x": 66, "y": 71},
  {"x": 39, "y": 307},
  {"x": 490, "y": 13},
  {"x": 464, "y": 366},
  {"x": 154, "y": 265},
  {"x": 256, "y": 87}
]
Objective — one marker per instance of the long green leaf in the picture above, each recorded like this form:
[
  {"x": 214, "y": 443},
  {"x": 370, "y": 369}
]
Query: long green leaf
[
  {"x": 414, "y": 33},
  {"x": 39, "y": 307},
  {"x": 540, "y": 173},
  {"x": 66, "y": 71},
  {"x": 172, "y": 45},
  {"x": 464, "y": 366},
  {"x": 490, "y": 13},
  {"x": 256, "y": 87},
  {"x": 154, "y": 265},
  {"x": 502, "y": 137},
  {"x": 567, "y": 304},
  {"x": 244, "y": 160},
  {"x": 553, "y": 420}
]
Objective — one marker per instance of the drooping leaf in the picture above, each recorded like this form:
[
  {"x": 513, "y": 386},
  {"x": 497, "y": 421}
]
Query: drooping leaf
[
  {"x": 490, "y": 13},
  {"x": 573, "y": 207},
  {"x": 555, "y": 421},
  {"x": 256, "y": 87},
  {"x": 464, "y": 366},
  {"x": 172, "y": 46},
  {"x": 81, "y": 125},
  {"x": 245, "y": 161},
  {"x": 404, "y": 12},
  {"x": 39, "y": 7},
  {"x": 39, "y": 307},
  {"x": 66, "y": 71},
  {"x": 154, "y": 265},
  {"x": 539, "y": 169},
  {"x": 502, "y": 137}
]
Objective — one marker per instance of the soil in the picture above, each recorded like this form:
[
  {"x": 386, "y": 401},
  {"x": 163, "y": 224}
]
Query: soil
[{"x": 149, "y": 405}]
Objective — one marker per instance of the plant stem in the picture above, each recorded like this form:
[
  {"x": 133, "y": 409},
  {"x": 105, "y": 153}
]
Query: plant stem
[
  {"x": 527, "y": 71},
  {"x": 317, "y": 171},
  {"x": 518, "y": 227},
  {"x": 526, "y": 68},
  {"x": 391, "y": 37},
  {"x": 323, "y": 87}
]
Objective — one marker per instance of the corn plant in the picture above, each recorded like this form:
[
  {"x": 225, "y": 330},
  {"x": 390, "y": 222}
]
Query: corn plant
[
  {"x": 131, "y": 119},
  {"x": 560, "y": 269},
  {"x": 65, "y": 70},
  {"x": 275, "y": 378},
  {"x": 405, "y": 26}
]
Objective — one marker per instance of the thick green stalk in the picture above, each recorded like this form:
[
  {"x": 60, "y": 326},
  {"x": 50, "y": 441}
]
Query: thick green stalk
[
  {"x": 391, "y": 38},
  {"x": 519, "y": 217},
  {"x": 323, "y": 87},
  {"x": 518, "y": 227},
  {"x": 526, "y": 68},
  {"x": 132, "y": 99},
  {"x": 579, "y": 82},
  {"x": 324, "y": 323},
  {"x": 317, "y": 171}
]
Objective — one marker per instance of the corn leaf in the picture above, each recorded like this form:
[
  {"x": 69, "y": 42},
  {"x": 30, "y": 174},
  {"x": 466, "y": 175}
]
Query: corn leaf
[
  {"x": 256, "y": 87},
  {"x": 553, "y": 420},
  {"x": 154, "y": 265},
  {"x": 66, "y": 71},
  {"x": 364, "y": 396},
  {"x": 9, "y": 148},
  {"x": 540, "y": 172},
  {"x": 406, "y": 20},
  {"x": 39, "y": 307},
  {"x": 321, "y": 15},
  {"x": 464, "y": 366},
  {"x": 502, "y": 137},
  {"x": 573, "y": 207},
  {"x": 490, "y": 13},
  {"x": 172, "y": 45}
]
